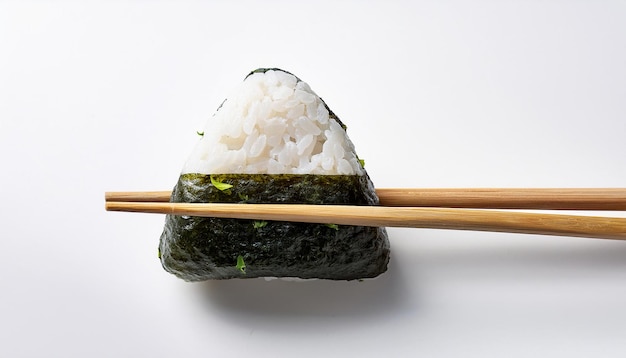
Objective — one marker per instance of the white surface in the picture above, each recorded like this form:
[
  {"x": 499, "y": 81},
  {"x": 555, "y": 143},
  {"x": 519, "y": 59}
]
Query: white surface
[{"x": 98, "y": 96}]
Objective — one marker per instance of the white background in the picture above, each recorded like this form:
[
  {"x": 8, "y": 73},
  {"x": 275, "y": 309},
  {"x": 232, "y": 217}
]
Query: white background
[{"x": 102, "y": 96}]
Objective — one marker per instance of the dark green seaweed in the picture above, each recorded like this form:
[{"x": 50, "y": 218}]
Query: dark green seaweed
[{"x": 197, "y": 249}]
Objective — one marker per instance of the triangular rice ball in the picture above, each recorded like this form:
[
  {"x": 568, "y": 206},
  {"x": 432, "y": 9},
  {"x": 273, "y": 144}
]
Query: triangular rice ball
[{"x": 273, "y": 140}]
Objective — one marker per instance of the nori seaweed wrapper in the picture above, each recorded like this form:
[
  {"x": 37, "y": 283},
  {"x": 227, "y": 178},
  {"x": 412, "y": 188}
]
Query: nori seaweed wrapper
[{"x": 196, "y": 249}]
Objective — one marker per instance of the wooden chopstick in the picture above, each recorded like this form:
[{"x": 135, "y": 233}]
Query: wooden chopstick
[
  {"x": 487, "y": 198},
  {"x": 435, "y": 218}
]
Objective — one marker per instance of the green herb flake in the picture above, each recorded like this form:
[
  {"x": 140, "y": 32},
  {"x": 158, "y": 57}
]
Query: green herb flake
[
  {"x": 159, "y": 252},
  {"x": 259, "y": 224},
  {"x": 333, "y": 226},
  {"x": 362, "y": 162},
  {"x": 201, "y": 134},
  {"x": 243, "y": 197},
  {"x": 241, "y": 265},
  {"x": 219, "y": 185}
]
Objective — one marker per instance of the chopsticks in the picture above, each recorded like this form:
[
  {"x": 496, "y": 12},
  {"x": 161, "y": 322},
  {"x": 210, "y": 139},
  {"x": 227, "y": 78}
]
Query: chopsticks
[
  {"x": 410, "y": 208},
  {"x": 477, "y": 198}
]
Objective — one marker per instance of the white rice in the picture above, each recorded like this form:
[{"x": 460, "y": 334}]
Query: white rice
[{"x": 273, "y": 124}]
